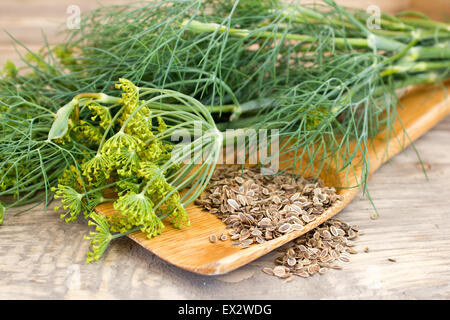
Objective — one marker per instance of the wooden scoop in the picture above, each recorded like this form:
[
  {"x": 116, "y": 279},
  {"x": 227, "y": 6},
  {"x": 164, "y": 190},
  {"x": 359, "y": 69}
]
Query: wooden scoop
[{"x": 190, "y": 249}]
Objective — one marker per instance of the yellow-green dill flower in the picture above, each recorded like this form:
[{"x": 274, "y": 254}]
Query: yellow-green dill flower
[
  {"x": 158, "y": 188},
  {"x": 125, "y": 186},
  {"x": 71, "y": 177},
  {"x": 97, "y": 167},
  {"x": 127, "y": 163},
  {"x": 93, "y": 199},
  {"x": 7, "y": 180},
  {"x": 87, "y": 133},
  {"x": 130, "y": 96},
  {"x": 140, "y": 125},
  {"x": 152, "y": 151},
  {"x": 99, "y": 239},
  {"x": 162, "y": 126},
  {"x": 315, "y": 117},
  {"x": 65, "y": 54},
  {"x": 10, "y": 69},
  {"x": 114, "y": 146},
  {"x": 136, "y": 210},
  {"x": 173, "y": 209},
  {"x": 179, "y": 217},
  {"x": 151, "y": 172},
  {"x": 72, "y": 202},
  {"x": 100, "y": 112}
]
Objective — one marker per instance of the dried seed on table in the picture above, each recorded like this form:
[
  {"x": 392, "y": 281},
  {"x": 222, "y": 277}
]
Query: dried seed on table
[
  {"x": 213, "y": 238},
  {"x": 279, "y": 271},
  {"x": 235, "y": 236},
  {"x": 323, "y": 270},
  {"x": 246, "y": 243},
  {"x": 291, "y": 262},
  {"x": 302, "y": 273},
  {"x": 296, "y": 227}
]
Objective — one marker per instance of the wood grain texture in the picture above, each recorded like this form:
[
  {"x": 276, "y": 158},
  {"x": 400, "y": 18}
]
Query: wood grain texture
[{"x": 42, "y": 257}]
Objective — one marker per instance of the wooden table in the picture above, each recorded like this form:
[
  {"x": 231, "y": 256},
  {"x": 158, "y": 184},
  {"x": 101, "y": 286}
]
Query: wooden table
[{"x": 41, "y": 257}]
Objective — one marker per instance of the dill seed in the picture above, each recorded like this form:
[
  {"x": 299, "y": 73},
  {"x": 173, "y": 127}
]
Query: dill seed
[
  {"x": 318, "y": 251},
  {"x": 260, "y": 207},
  {"x": 213, "y": 238}
]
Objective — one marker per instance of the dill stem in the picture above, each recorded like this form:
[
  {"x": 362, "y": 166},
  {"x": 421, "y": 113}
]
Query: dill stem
[
  {"x": 415, "y": 67},
  {"x": 426, "y": 23},
  {"x": 200, "y": 27},
  {"x": 110, "y": 125},
  {"x": 99, "y": 97},
  {"x": 103, "y": 187},
  {"x": 118, "y": 235},
  {"x": 212, "y": 109},
  {"x": 419, "y": 52}
]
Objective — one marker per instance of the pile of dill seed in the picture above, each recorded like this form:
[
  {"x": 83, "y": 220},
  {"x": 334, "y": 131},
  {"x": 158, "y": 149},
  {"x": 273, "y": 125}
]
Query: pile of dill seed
[{"x": 257, "y": 208}]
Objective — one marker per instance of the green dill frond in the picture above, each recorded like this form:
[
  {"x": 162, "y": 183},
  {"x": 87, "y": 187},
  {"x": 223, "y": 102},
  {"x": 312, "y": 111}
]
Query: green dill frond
[{"x": 100, "y": 239}]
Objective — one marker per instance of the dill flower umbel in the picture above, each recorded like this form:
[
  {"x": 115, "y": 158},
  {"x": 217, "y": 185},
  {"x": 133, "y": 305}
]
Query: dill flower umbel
[
  {"x": 87, "y": 133},
  {"x": 119, "y": 142},
  {"x": 127, "y": 163},
  {"x": 99, "y": 239},
  {"x": 100, "y": 112},
  {"x": 97, "y": 168},
  {"x": 130, "y": 95},
  {"x": 136, "y": 210},
  {"x": 159, "y": 190},
  {"x": 71, "y": 177},
  {"x": 71, "y": 200}
]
